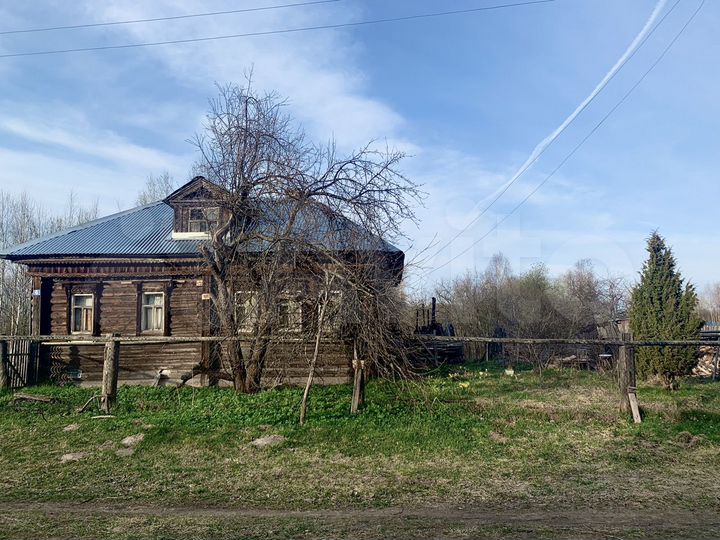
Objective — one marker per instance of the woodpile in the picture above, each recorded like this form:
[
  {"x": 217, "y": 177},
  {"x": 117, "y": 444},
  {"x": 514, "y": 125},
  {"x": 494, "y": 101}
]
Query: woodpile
[{"x": 706, "y": 362}]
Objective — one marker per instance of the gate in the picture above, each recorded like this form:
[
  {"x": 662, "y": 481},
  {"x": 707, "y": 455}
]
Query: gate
[{"x": 21, "y": 363}]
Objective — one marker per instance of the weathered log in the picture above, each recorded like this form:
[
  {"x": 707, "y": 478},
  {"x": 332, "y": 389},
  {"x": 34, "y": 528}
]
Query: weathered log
[{"x": 111, "y": 363}]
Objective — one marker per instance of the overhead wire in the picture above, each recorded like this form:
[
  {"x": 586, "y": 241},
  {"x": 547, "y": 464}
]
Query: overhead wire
[
  {"x": 577, "y": 147},
  {"x": 280, "y": 31},
  {"x": 528, "y": 164},
  {"x": 167, "y": 18}
]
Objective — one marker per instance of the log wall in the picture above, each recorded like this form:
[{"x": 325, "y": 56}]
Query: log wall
[{"x": 187, "y": 315}]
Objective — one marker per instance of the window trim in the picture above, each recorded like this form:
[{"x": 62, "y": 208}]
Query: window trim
[
  {"x": 160, "y": 308},
  {"x": 91, "y": 308},
  {"x": 295, "y": 326},
  {"x": 209, "y": 224},
  {"x": 248, "y": 325}
]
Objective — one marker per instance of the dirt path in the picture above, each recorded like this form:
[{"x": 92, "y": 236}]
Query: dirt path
[{"x": 427, "y": 522}]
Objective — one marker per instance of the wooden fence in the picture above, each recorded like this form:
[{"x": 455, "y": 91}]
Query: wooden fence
[
  {"x": 19, "y": 362},
  {"x": 18, "y": 356}
]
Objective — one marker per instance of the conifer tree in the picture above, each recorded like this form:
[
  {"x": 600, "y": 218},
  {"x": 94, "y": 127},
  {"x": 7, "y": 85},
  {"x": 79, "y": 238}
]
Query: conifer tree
[{"x": 663, "y": 307}]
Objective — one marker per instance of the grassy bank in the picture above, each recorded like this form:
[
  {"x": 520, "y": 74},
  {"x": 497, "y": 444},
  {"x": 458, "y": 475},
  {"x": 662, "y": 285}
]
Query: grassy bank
[{"x": 465, "y": 438}]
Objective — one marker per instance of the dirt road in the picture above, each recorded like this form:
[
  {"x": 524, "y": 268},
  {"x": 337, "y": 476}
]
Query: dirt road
[{"x": 117, "y": 520}]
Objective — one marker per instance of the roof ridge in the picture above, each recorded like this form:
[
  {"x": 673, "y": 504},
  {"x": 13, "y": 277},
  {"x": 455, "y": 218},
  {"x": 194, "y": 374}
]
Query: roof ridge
[{"x": 80, "y": 227}]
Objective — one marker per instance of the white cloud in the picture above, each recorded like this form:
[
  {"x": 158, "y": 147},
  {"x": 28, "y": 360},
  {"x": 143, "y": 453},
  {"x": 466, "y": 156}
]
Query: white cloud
[{"x": 83, "y": 138}]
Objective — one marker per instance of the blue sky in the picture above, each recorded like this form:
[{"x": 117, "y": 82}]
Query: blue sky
[{"x": 468, "y": 96}]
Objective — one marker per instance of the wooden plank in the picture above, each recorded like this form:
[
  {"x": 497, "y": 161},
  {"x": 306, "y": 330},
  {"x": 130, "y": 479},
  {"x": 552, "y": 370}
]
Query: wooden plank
[{"x": 634, "y": 407}]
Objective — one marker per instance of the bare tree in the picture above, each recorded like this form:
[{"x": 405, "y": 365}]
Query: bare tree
[
  {"x": 709, "y": 307},
  {"x": 156, "y": 188},
  {"x": 499, "y": 303},
  {"x": 22, "y": 220},
  {"x": 284, "y": 204}
]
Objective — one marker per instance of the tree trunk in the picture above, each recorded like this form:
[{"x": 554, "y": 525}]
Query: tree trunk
[{"x": 256, "y": 365}]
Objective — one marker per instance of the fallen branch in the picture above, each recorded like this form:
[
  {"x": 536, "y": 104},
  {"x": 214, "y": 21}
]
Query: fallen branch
[
  {"x": 87, "y": 404},
  {"x": 34, "y": 398}
]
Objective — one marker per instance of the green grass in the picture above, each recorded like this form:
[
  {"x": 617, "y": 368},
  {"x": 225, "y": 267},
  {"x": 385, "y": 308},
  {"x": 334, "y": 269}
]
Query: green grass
[{"x": 466, "y": 435}]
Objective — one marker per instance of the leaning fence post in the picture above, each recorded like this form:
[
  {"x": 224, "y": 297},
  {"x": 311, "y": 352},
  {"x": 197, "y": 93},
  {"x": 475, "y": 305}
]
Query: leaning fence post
[
  {"x": 4, "y": 379},
  {"x": 111, "y": 364},
  {"x": 358, "y": 397}
]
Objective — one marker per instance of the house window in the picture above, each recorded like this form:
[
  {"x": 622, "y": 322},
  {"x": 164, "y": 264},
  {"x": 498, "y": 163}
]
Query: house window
[
  {"x": 203, "y": 220},
  {"x": 153, "y": 312},
  {"x": 289, "y": 315},
  {"x": 82, "y": 314},
  {"x": 245, "y": 310},
  {"x": 332, "y": 311}
]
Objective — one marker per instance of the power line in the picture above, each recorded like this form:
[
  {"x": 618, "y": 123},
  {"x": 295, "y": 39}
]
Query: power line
[
  {"x": 530, "y": 163},
  {"x": 169, "y": 18},
  {"x": 577, "y": 146},
  {"x": 282, "y": 31}
]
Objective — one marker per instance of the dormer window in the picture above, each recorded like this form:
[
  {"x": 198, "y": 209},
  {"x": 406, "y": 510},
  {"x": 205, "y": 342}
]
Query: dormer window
[
  {"x": 203, "y": 220},
  {"x": 197, "y": 212}
]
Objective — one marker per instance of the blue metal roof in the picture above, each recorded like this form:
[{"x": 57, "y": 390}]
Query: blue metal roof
[{"x": 146, "y": 231}]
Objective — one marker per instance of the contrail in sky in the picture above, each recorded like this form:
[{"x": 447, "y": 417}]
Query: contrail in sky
[
  {"x": 547, "y": 141},
  {"x": 602, "y": 84}
]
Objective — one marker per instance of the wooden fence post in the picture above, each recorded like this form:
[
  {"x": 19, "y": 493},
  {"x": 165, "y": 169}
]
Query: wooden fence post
[
  {"x": 626, "y": 377},
  {"x": 358, "y": 396},
  {"x": 111, "y": 364},
  {"x": 4, "y": 359}
]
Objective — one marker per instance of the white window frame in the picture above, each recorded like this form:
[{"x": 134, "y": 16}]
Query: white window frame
[
  {"x": 156, "y": 309},
  {"x": 248, "y": 299},
  {"x": 83, "y": 309},
  {"x": 333, "y": 307},
  {"x": 294, "y": 315},
  {"x": 207, "y": 225}
]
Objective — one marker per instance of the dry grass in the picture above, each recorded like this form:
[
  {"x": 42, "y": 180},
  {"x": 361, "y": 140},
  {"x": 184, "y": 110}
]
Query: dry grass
[{"x": 473, "y": 439}]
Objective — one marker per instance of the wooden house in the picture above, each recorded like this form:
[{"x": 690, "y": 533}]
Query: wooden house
[{"x": 140, "y": 273}]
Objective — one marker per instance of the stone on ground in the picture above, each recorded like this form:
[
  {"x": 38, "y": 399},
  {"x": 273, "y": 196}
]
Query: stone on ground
[
  {"x": 132, "y": 440},
  {"x": 268, "y": 440},
  {"x": 73, "y": 456}
]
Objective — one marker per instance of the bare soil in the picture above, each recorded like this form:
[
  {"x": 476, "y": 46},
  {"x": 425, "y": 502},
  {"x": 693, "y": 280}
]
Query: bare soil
[{"x": 439, "y": 521}]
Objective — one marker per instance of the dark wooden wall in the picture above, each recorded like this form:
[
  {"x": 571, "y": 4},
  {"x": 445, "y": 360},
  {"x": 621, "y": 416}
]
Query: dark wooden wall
[
  {"x": 118, "y": 313},
  {"x": 188, "y": 314}
]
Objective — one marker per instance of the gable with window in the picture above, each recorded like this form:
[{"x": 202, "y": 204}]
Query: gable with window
[{"x": 197, "y": 209}]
